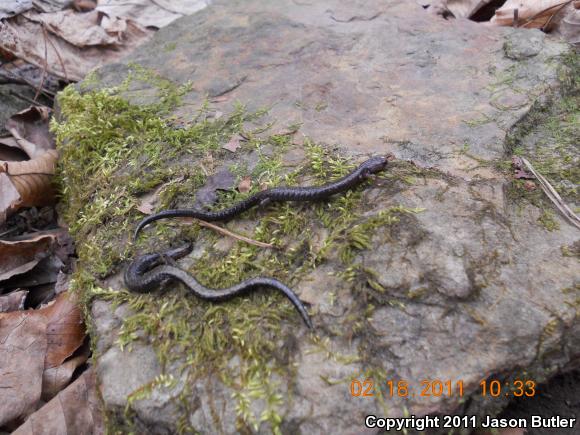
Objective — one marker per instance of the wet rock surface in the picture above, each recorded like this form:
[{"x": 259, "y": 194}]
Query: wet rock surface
[{"x": 471, "y": 287}]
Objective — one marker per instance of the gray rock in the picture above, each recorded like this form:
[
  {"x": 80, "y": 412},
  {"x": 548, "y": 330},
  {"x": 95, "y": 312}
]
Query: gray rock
[{"x": 469, "y": 288}]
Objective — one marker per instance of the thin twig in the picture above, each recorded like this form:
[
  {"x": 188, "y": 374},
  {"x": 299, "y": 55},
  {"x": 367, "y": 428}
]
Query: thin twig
[
  {"x": 228, "y": 233},
  {"x": 58, "y": 55},
  {"x": 45, "y": 67},
  {"x": 554, "y": 196}
]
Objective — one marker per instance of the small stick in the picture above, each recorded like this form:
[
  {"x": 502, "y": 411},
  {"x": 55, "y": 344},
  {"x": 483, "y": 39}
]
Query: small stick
[
  {"x": 554, "y": 196},
  {"x": 44, "y": 68},
  {"x": 228, "y": 233}
]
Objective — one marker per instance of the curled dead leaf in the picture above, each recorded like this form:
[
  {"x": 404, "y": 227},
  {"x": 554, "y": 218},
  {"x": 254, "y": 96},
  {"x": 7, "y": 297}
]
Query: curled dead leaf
[
  {"x": 21, "y": 256},
  {"x": 30, "y": 130},
  {"x": 32, "y": 179}
]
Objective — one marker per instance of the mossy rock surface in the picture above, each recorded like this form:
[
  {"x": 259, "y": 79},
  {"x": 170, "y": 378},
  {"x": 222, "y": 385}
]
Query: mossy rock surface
[{"x": 441, "y": 268}]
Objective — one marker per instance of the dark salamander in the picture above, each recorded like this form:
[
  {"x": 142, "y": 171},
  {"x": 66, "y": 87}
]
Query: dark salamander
[
  {"x": 278, "y": 194},
  {"x": 149, "y": 271}
]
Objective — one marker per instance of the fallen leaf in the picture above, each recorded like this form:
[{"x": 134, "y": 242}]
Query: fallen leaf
[
  {"x": 9, "y": 8},
  {"x": 245, "y": 185},
  {"x": 13, "y": 301},
  {"x": 151, "y": 13},
  {"x": 21, "y": 256},
  {"x": 31, "y": 342},
  {"x": 530, "y": 14},
  {"x": 65, "y": 329},
  {"x": 32, "y": 179},
  {"x": 54, "y": 379},
  {"x": 75, "y": 410},
  {"x": 80, "y": 30},
  {"x": 26, "y": 39},
  {"x": 22, "y": 350},
  {"x": 233, "y": 144},
  {"x": 45, "y": 272},
  {"x": 31, "y": 130},
  {"x": 221, "y": 180}
]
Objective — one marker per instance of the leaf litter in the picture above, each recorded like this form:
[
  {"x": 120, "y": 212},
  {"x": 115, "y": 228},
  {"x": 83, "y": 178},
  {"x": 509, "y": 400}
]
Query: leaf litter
[{"x": 32, "y": 342}]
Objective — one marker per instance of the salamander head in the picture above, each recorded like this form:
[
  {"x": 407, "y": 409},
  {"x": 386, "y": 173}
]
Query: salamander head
[{"x": 374, "y": 165}]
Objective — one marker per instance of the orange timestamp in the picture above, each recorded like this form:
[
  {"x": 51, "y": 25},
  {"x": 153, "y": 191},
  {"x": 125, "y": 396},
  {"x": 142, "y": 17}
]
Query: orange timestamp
[
  {"x": 437, "y": 388},
  {"x": 401, "y": 388}
]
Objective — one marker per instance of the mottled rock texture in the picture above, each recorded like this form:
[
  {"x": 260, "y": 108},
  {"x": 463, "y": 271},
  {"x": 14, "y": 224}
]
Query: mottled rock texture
[{"x": 472, "y": 287}]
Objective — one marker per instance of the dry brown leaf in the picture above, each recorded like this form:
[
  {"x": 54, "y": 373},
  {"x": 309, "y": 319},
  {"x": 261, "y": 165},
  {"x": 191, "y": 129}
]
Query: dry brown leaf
[
  {"x": 21, "y": 256},
  {"x": 31, "y": 342},
  {"x": 245, "y": 184},
  {"x": 31, "y": 131},
  {"x": 13, "y": 301},
  {"x": 81, "y": 30},
  {"x": 65, "y": 329},
  {"x": 530, "y": 13},
  {"x": 27, "y": 40},
  {"x": 158, "y": 13},
  {"x": 32, "y": 179},
  {"x": 55, "y": 379},
  {"x": 75, "y": 410},
  {"x": 25, "y": 183},
  {"x": 233, "y": 144},
  {"x": 22, "y": 350}
]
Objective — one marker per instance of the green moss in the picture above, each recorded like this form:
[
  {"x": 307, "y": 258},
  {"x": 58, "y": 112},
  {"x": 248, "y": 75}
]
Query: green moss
[{"x": 113, "y": 151}]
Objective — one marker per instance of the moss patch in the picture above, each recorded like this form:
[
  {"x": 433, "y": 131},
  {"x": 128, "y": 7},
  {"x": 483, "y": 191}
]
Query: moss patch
[{"x": 113, "y": 151}]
